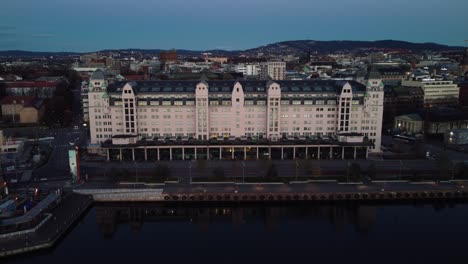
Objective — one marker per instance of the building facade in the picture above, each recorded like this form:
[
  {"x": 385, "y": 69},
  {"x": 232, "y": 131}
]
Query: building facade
[
  {"x": 275, "y": 70},
  {"x": 248, "y": 69},
  {"x": 235, "y": 109},
  {"x": 436, "y": 92}
]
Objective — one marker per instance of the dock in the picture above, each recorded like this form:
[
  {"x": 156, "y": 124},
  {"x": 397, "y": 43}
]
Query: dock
[{"x": 67, "y": 212}]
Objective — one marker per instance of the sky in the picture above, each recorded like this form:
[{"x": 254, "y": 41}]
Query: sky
[{"x": 91, "y": 25}]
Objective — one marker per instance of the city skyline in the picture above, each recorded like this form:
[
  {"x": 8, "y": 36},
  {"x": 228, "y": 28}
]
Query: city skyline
[{"x": 85, "y": 26}]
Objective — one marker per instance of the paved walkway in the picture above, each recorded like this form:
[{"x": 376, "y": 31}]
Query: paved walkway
[{"x": 62, "y": 218}]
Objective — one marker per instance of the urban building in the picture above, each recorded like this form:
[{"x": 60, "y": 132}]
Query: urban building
[
  {"x": 436, "y": 92},
  {"x": 392, "y": 76},
  {"x": 168, "y": 56},
  {"x": 433, "y": 121},
  {"x": 463, "y": 97},
  {"x": 411, "y": 123},
  {"x": 22, "y": 109},
  {"x": 275, "y": 70},
  {"x": 33, "y": 112},
  {"x": 125, "y": 113},
  {"x": 41, "y": 89},
  {"x": 400, "y": 101},
  {"x": 248, "y": 69}
]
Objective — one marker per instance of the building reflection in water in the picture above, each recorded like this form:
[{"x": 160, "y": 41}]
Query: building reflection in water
[{"x": 110, "y": 216}]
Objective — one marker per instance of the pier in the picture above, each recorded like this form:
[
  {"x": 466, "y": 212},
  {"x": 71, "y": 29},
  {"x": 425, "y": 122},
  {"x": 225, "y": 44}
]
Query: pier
[
  {"x": 56, "y": 225},
  {"x": 264, "y": 192},
  {"x": 75, "y": 204}
]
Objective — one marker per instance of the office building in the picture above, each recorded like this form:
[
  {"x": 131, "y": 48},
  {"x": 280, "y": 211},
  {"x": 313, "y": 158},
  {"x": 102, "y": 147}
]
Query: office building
[{"x": 127, "y": 112}]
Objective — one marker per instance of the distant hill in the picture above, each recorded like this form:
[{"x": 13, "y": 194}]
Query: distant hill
[
  {"x": 301, "y": 46},
  {"x": 285, "y": 47},
  {"x": 22, "y": 53}
]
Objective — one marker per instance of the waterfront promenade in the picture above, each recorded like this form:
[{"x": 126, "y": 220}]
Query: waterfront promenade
[
  {"x": 80, "y": 197},
  {"x": 271, "y": 192}
]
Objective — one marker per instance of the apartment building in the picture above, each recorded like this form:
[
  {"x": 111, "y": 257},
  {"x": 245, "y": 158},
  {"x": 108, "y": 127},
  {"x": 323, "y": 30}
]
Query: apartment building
[
  {"x": 275, "y": 70},
  {"x": 248, "y": 69},
  {"x": 126, "y": 112}
]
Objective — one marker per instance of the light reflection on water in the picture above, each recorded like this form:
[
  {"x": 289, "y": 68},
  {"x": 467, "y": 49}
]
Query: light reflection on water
[{"x": 119, "y": 233}]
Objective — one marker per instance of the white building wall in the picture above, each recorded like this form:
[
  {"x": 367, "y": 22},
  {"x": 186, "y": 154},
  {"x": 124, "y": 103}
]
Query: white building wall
[
  {"x": 235, "y": 114},
  {"x": 373, "y": 113},
  {"x": 100, "y": 118},
  {"x": 434, "y": 90}
]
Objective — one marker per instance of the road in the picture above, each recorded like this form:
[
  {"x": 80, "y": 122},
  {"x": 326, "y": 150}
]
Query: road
[
  {"x": 65, "y": 139},
  {"x": 284, "y": 168},
  {"x": 57, "y": 165}
]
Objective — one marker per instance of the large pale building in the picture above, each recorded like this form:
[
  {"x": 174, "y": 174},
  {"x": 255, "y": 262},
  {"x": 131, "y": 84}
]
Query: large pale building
[
  {"x": 127, "y": 112},
  {"x": 275, "y": 70},
  {"x": 436, "y": 92}
]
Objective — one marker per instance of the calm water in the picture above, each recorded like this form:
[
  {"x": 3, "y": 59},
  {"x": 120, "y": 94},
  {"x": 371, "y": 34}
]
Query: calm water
[{"x": 126, "y": 233}]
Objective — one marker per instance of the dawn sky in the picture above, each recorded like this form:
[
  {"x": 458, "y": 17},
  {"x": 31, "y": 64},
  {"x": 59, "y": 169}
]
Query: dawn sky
[{"x": 89, "y": 25}]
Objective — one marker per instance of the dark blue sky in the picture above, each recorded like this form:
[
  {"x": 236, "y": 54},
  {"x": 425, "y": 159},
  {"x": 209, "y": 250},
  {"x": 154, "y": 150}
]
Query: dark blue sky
[{"x": 88, "y": 25}]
